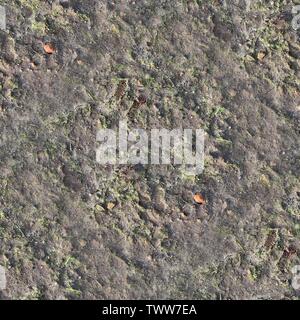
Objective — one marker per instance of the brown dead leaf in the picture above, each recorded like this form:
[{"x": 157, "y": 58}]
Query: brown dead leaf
[
  {"x": 49, "y": 48},
  {"x": 121, "y": 90},
  {"x": 110, "y": 205},
  {"x": 198, "y": 198},
  {"x": 261, "y": 55}
]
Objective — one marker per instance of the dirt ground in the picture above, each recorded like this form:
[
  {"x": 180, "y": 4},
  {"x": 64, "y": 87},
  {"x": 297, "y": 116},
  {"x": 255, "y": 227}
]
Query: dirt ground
[{"x": 73, "y": 229}]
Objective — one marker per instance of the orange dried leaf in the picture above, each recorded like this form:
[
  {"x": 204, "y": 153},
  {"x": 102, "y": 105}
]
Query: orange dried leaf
[
  {"x": 198, "y": 198},
  {"x": 49, "y": 48}
]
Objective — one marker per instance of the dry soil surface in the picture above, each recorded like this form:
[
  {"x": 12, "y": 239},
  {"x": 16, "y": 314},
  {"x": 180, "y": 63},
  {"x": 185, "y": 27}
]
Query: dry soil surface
[{"x": 73, "y": 229}]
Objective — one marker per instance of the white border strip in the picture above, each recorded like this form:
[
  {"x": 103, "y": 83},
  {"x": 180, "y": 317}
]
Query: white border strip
[{"x": 2, "y": 18}]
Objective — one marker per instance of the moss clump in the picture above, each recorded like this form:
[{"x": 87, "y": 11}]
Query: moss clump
[{"x": 38, "y": 27}]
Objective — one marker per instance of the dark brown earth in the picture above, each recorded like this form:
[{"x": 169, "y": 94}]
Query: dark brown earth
[{"x": 72, "y": 229}]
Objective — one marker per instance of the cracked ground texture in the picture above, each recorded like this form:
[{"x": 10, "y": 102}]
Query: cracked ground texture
[{"x": 72, "y": 229}]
